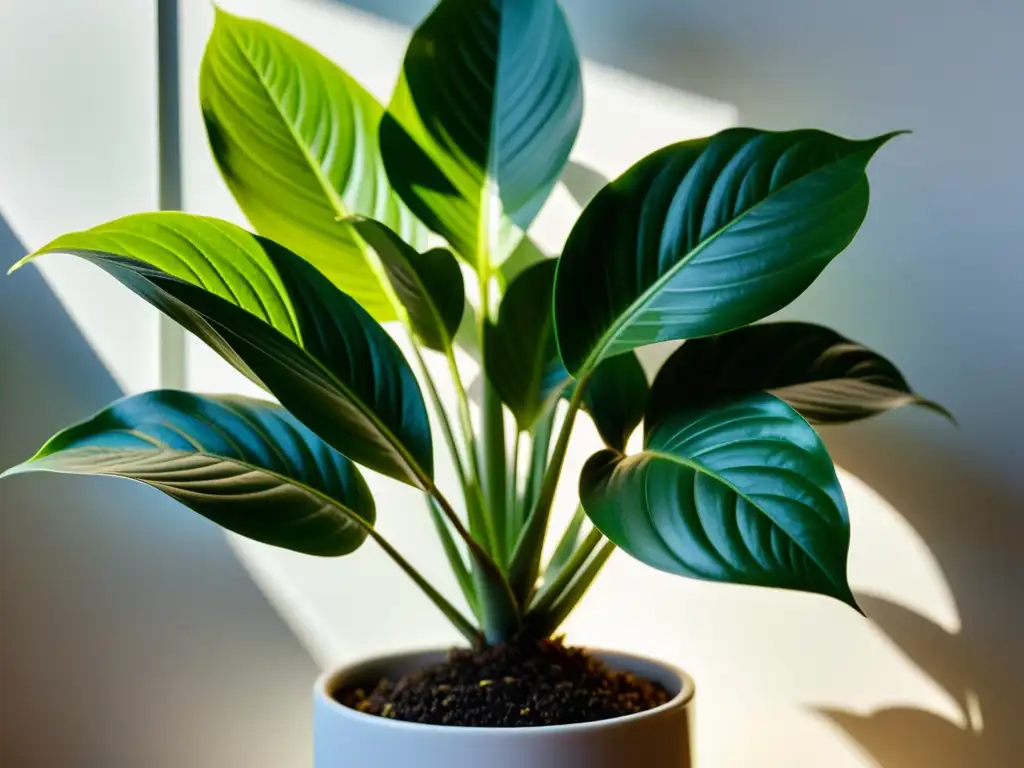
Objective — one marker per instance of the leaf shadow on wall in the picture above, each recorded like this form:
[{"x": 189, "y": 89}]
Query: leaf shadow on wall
[{"x": 976, "y": 532}]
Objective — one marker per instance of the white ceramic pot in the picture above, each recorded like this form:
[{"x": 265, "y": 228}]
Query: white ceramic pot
[{"x": 345, "y": 738}]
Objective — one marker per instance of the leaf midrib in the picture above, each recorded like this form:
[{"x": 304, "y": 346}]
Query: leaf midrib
[
  {"x": 696, "y": 466},
  {"x": 337, "y": 204},
  {"x": 299, "y": 485},
  {"x": 609, "y": 336}
]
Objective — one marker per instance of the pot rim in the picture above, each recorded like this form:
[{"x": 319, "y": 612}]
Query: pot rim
[{"x": 326, "y": 683}]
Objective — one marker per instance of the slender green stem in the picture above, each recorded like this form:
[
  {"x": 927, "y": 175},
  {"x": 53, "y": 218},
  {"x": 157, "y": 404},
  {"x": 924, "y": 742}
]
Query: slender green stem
[
  {"x": 551, "y": 592},
  {"x": 455, "y": 558},
  {"x": 567, "y": 545},
  {"x": 492, "y": 420},
  {"x": 479, "y": 523},
  {"x": 514, "y": 508},
  {"x": 544, "y": 625},
  {"x": 499, "y": 609},
  {"x": 465, "y": 419},
  {"x": 464, "y": 625},
  {"x": 442, "y": 415},
  {"x": 540, "y": 444},
  {"x": 525, "y": 564}
]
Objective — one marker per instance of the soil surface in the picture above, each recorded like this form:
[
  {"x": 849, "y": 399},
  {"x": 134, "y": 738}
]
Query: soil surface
[{"x": 527, "y": 684}]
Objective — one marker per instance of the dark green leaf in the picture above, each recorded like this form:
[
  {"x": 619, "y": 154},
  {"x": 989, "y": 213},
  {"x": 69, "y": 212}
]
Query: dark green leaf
[
  {"x": 520, "y": 354},
  {"x": 429, "y": 285},
  {"x": 826, "y": 377},
  {"x": 280, "y": 322},
  {"x": 744, "y": 493},
  {"x": 615, "y": 398},
  {"x": 482, "y": 121},
  {"x": 247, "y": 465},
  {"x": 706, "y": 236},
  {"x": 297, "y": 142}
]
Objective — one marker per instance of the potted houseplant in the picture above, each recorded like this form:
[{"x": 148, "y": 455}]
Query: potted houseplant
[{"x": 366, "y": 215}]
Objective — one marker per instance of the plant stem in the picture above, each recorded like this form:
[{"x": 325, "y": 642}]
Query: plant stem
[
  {"x": 455, "y": 558},
  {"x": 461, "y": 623},
  {"x": 550, "y": 593},
  {"x": 546, "y": 624},
  {"x": 479, "y": 523},
  {"x": 492, "y": 424},
  {"x": 498, "y": 607},
  {"x": 525, "y": 564},
  {"x": 514, "y": 515},
  {"x": 540, "y": 443},
  {"x": 442, "y": 415}
]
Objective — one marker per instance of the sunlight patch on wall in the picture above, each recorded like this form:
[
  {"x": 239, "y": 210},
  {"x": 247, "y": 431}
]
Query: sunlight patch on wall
[{"x": 84, "y": 154}]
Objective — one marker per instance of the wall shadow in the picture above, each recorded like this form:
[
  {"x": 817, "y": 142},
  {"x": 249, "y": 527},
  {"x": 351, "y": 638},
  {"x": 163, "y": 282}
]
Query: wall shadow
[
  {"x": 130, "y": 635},
  {"x": 976, "y": 532}
]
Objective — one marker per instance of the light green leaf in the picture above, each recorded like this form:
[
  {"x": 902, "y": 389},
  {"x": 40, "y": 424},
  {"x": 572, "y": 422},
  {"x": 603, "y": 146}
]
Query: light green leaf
[
  {"x": 247, "y": 465},
  {"x": 429, "y": 285},
  {"x": 743, "y": 493},
  {"x": 707, "y": 236},
  {"x": 483, "y": 120},
  {"x": 278, "y": 321},
  {"x": 826, "y": 377},
  {"x": 296, "y": 140}
]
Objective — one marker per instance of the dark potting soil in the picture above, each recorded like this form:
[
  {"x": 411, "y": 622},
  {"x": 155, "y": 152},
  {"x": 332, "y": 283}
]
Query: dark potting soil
[{"x": 526, "y": 684}]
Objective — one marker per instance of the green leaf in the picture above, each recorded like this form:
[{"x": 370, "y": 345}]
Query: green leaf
[
  {"x": 247, "y": 465},
  {"x": 482, "y": 121},
  {"x": 706, "y": 236},
  {"x": 523, "y": 363},
  {"x": 616, "y": 397},
  {"x": 521, "y": 358},
  {"x": 429, "y": 285},
  {"x": 744, "y": 493},
  {"x": 826, "y": 377},
  {"x": 278, "y": 321},
  {"x": 296, "y": 140}
]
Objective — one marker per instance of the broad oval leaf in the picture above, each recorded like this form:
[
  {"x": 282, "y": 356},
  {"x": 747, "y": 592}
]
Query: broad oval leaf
[
  {"x": 247, "y": 465},
  {"x": 483, "y": 120},
  {"x": 706, "y": 236},
  {"x": 826, "y": 377},
  {"x": 278, "y": 321},
  {"x": 429, "y": 285},
  {"x": 519, "y": 351},
  {"x": 296, "y": 140},
  {"x": 743, "y": 493}
]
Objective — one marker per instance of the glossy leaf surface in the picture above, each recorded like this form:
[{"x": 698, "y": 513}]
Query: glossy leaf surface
[
  {"x": 706, "y": 236},
  {"x": 826, "y": 377},
  {"x": 247, "y": 465},
  {"x": 280, "y": 322},
  {"x": 429, "y": 285},
  {"x": 296, "y": 140},
  {"x": 743, "y": 493},
  {"x": 482, "y": 121}
]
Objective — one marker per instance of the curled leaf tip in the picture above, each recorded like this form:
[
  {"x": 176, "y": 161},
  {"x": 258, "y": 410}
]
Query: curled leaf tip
[
  {"x": 935, "y": 407},
  {"x": 19, "y": 264}
]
